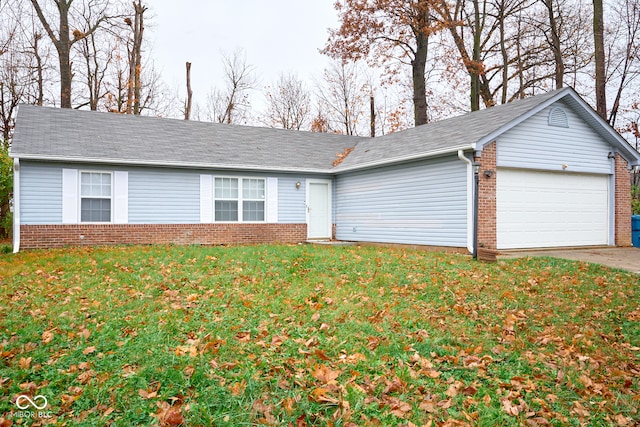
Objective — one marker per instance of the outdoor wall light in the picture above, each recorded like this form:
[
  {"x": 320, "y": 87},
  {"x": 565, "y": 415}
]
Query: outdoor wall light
[
  {"x": 488, "y": 173},
  {"x": 476, "y": 168},
  {"x": 611, "y": 155},
  {"x": 298, "y": 185}
]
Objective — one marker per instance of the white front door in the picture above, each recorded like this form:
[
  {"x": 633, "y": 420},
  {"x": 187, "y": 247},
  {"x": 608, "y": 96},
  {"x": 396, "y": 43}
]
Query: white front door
[{"x": 318, "y": 209}]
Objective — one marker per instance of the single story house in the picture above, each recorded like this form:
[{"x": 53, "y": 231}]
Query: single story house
[{"x": 545, "y": 171}]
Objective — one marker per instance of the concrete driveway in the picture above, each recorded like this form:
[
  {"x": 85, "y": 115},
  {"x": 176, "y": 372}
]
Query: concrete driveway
[{"x": 624, "y": 258}]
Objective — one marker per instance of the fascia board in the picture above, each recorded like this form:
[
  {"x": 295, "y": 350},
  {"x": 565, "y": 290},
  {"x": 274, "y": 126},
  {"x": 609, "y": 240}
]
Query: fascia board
[
  {"x": 403, "y": 159},
  {"x": 178, "y": 165}
]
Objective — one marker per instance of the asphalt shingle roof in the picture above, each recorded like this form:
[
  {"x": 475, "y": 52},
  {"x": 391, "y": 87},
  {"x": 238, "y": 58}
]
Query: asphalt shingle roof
[
  {"x": 445, "y": 135},
  {"x": 63, "y": 134},
  {"x": 54, "y": 133}
]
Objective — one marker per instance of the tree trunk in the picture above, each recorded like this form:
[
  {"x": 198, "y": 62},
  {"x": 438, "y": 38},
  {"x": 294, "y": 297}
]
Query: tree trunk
[
  {"x": 137, "y": 83},
  {"x": 503, "y": 53},
  {"x": 598, "y": 39},
  {"x": 372, "y": 117},
  {"x": 475, "y": 70},
  {"x": 64, "y": 47},
  {"x": 556, "y": 48},
  {"x": 39, "y": 69},
  {"x": 418, "y": 66},
  {"x": 187, "y": 110},
  {"x": 419, "y": 62}
]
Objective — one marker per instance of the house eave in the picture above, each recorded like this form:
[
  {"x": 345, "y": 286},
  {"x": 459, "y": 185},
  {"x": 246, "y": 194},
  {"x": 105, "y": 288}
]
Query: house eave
[
  {"x": 254, "y": 168},
  {"x": 177, "y": 165},
  {"x": 403, "y": 159}
]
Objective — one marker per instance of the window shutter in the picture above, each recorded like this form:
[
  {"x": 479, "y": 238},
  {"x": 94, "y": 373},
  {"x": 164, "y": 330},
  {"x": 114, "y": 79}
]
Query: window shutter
[
  {"x": 121, "y": 197},
  {"x": 206, "y": 198},
  {"x": 272, "y": 200},
  {"x": 70, "y": 196}
]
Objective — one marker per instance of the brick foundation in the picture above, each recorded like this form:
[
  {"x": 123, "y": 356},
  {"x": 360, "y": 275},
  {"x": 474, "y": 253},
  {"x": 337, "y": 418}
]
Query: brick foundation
[
  {"x": 56, "y": 236},
  {"x": 487, "y": 208},
  {"x": 622, "y": 214}
]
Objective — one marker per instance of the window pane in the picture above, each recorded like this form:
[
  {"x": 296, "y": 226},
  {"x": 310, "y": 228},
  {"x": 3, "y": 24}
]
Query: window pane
[
  {"x": 226, "y": 210},
  {"x": 253, "y": 211},
  {"x": 95, "y": 210},
  {"x": 253, "y": 189},
  {"x": 226, "y": 188},
  {"x": 106, "y": 185},
  {"x": 95, "y": 184}
]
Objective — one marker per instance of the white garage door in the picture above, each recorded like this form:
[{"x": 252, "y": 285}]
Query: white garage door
[{"x": 548, "y": 209}]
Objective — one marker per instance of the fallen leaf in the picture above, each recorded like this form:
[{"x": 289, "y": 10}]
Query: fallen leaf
[
  {"x": 579, "y": 410},
  {"x": 322, "y": 395},
  {"x": 89, "y": 350},
  {"x": 168, "y": 415},
  {"x": 325, "y": 374},
  {"x": 186, "y": 350},
  {"x": 25, "y": 362},
  {"x": 146, "y": 394},
  {"x": 454, "y": 388},
  {"x": 47, "y": 336},
  {"x": 244, "y": 336}
]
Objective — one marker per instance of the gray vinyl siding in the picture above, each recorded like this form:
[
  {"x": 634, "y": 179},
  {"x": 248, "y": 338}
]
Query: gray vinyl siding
[
  {"x": 156, "y": 195},
  {"x": 164, "y": 197},
  {"x": 534, "y": 144},
  {"x": 421, "y": 203},
  {"x": 291, "y": 201},
  {"x": 40, "y": 194}
]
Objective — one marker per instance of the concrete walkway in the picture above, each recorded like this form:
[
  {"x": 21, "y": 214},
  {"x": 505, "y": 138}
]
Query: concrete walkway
[{"x": 624, "y": 258}]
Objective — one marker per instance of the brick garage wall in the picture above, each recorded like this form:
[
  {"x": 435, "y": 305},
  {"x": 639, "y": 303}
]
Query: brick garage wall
[
  {"x": 622, "y": 215},
  {"x": 487, "y": 235},
  {"x": 56, "y": 236}
]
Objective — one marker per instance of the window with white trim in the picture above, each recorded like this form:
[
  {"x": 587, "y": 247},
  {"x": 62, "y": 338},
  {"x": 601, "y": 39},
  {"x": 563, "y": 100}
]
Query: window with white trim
[
  {"x": 95, "y": 197},
  {"x": 239, "y": 199}
]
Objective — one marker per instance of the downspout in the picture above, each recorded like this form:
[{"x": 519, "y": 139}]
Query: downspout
[
  {"x": 16, "y": 205},
  {"x": 472, "y": 246}
]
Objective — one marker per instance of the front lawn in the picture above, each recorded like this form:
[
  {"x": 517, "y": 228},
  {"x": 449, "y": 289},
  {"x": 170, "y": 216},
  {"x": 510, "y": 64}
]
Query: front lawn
[{"x": 308, "y": 335}]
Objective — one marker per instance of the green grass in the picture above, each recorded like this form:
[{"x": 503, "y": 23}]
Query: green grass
[{"x": 307, "y": 335}]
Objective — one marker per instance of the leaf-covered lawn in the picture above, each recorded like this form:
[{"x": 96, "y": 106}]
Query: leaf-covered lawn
[{"x": 309, "y": 335}]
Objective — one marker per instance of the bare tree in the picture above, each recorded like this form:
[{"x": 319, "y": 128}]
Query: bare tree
[
  {"x": 97, "y": 56},
  {"x": 231, "y": 103},
  {"x": 63, "y": 38},
  {"x": 624, "y": 54},
  {"x": 553, "y": 38},
  {"x": 289, "y": 103},
  {"x": 343, "y": 98}
]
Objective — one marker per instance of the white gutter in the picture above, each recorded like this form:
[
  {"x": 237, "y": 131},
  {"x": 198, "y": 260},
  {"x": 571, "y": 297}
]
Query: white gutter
[
  {"x": 401, "y": 159},
  {"x": 470, "y": 194},
  {"x": 193, "y": 165},
  {"x": 16, "y": 205},
  {"x": 177, "y": 165}
]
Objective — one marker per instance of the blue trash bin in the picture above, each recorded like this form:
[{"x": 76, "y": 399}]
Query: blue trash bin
[{"x": 635, "y": 230}]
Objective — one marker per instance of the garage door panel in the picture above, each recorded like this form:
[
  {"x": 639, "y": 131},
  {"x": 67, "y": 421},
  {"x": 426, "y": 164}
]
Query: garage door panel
[{"x": 547, "y": 209}]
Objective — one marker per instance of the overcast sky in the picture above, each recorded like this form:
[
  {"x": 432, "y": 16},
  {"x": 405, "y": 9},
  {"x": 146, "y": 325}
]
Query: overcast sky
[{"x": 277, "y": 36}]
